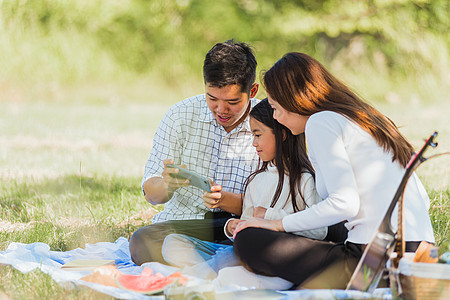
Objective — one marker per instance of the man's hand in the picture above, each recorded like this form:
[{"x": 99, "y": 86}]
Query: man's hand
[
  {"x": 231, "y": 226},
  {"x": 212, "y": 200},
  {"x": 259, "y": 212},
  {"x": 227, "y": 201},
  {"x": 159, "y": 190},
  {"x": 171, "y": 182}
]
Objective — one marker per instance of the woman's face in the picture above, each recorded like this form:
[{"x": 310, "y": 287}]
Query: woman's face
[
  {"x": 295, "y": 122},
  {"x": 263, "y": 140}
]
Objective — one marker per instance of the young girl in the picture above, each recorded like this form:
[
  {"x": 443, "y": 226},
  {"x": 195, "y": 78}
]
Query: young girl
[
  {"x": 359, "y": 157},
  {"x": 284, "y": 184}
]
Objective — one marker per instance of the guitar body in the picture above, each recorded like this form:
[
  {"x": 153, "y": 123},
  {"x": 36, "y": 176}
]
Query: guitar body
[{"x": 370, "y": 267}]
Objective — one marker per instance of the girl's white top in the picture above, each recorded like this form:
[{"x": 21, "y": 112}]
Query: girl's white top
[
  {"x": 260, "y": 192},
  {"x": 357, "y": 180}
]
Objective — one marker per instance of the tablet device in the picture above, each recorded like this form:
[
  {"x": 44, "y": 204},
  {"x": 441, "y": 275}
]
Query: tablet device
[{"x": 195, "y": 179}]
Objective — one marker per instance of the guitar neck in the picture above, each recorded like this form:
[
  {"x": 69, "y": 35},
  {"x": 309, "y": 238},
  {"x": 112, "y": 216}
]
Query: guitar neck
[
  {"x": 415, "y": 161},
  {"x": 400, "y": 241},
  {"x": 373, "y": 260}
]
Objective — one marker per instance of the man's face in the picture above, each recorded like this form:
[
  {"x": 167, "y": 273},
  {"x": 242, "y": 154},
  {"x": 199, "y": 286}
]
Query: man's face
[{"x": 229, "y": 104}]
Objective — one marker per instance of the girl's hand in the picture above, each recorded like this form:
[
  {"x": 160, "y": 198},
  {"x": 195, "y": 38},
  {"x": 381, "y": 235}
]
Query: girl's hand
[
  {"x": 259, "y": 212},
  {"x": 213, "y": 199},
  {"x": 275, "y": 225},
  {"x": 231, "y": 226}
]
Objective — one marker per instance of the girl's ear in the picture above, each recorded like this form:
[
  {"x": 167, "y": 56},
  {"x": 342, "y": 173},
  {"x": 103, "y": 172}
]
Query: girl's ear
[{"x": 284, "y": 135}]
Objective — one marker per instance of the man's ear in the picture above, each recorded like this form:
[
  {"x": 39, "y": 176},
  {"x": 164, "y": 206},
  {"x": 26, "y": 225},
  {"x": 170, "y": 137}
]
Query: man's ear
[{"x": 254, "y": 90}]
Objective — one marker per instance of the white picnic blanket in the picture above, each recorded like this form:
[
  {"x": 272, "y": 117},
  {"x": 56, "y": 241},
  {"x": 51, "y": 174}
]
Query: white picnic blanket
[{"x": 29, "y": 257}]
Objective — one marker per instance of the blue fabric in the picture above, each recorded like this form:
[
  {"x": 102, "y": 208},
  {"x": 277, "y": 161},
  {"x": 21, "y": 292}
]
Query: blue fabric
[
  {"x": 28, "y": 257},
  {"x": 218, "y": 256}
]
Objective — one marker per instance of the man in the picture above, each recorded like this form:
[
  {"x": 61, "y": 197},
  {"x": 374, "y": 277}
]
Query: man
[{"x": 208, "y": 134}]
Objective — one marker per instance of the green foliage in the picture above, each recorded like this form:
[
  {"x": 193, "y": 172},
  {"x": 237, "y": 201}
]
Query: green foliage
[
  {"x": 440, "y": 218},
  {"x": 70, "y": 169},
  {"x": 69, "y": 41}
]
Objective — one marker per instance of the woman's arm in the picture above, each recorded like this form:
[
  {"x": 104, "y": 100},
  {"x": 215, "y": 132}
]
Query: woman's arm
[
  {"x": 334, "y": 173},
  {"x": 311, "y": 197}
]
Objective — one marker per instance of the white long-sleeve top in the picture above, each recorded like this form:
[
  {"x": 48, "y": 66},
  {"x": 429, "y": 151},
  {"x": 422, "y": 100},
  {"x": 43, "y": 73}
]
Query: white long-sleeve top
[
  {"x": 357, "y": 180},
  {"x": 260, "y": 192}
]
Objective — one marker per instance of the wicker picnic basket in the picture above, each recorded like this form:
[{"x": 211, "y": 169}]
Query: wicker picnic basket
[{"x": 415, "y": 280}]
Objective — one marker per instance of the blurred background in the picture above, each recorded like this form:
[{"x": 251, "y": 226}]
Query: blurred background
[{"x": 83, "y": 84}]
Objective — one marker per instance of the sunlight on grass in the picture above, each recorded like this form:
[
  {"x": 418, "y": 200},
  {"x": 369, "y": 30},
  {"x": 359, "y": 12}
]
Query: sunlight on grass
[
  {"x": 55, "y": 139},
  {"x": 84, "y": 84},
  {"x": 18, "y": 285}
]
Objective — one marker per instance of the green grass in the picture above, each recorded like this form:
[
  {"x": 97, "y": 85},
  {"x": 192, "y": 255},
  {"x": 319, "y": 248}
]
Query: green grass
[
  {"x": 70, "y": 211},
  {"x": 82, "y": 92},
  {"x": 66, "y": 213},
  {"x": 46, "y": 197},
  {"x": 17, "y": 285}
]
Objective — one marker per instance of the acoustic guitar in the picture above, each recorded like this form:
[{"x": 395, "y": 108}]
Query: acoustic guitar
[{"x": 370, "y": 267}]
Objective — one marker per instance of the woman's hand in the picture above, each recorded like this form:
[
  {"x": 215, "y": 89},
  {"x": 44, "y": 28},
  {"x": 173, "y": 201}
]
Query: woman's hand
[
  {"x": 259, "y": 212},
  {"x": 213, "y": 199},
  {"x": 275, "y": 225}
]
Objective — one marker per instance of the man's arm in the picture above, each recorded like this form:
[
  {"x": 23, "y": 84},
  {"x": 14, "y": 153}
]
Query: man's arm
[
  {"x": 155, "y": 191},
  {"x": 231, "y": 203}
]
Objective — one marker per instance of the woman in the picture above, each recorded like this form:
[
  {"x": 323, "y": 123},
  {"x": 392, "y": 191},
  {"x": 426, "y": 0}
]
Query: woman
[{"x": 359, "y": 157}]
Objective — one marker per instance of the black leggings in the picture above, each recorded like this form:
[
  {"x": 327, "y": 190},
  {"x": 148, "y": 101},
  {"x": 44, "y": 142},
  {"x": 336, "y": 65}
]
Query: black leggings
[
  {"x": 306, "y": 262},
  {"x": 146, "y": 243}
]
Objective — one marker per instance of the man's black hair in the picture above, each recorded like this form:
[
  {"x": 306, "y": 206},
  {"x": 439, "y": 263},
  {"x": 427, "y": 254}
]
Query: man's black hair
[{"x": 230, "y": 63}]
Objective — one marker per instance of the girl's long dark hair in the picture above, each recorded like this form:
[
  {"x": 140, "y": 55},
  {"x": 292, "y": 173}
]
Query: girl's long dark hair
[
  {"x": 302, "y": 85},
  {"x": 290, "y": 155}
]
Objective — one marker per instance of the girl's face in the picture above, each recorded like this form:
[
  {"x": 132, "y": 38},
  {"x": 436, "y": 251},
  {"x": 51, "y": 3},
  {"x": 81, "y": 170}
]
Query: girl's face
[
  {"x": 295, "y": 122},
  {"x": 263, "y": 140}
]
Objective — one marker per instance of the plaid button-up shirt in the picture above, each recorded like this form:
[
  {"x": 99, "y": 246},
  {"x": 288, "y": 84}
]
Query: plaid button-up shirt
[{"x": 190, "y": 135}]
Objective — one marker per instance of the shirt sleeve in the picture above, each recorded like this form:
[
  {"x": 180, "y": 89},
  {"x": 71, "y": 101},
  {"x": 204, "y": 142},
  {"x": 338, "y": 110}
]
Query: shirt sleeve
[
  {"x": 328, "y": 154},
  {"x": 225, "y": 230},
  {"x": 166, "y": 145},
  {"x": 247, "y": 202},
  {"x": 311, "y": 197}
]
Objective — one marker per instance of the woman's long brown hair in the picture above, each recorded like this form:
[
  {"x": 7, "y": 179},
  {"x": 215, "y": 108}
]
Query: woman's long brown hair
[{"x": 300, "y": 84}]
